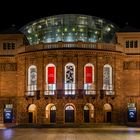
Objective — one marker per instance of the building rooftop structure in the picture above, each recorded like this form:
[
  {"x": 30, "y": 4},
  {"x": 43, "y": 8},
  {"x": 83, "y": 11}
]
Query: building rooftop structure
[{"x": 70, "y": 28}]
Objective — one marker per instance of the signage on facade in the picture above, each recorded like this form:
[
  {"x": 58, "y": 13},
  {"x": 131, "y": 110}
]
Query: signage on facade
[
  {"x": 8, "y": 106},
  {"x": 131, "y": 105},
  {"x": 132, "y": 112},
  {"x": 8, "y": 115}
]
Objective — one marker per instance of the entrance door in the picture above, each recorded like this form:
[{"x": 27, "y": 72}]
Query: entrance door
[
  {"x": 108, "y": 117},
  {"x": 53, "y": 114},
  {"x": 86, "y": 114},
  {"x": 30, "y": 117},
  {"x": 107, "y": 112},
  {"x": 69, "y": 114}
]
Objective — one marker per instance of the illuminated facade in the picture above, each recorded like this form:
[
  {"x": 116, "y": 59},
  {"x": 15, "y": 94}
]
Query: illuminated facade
[{"x": 70, "y": 69}]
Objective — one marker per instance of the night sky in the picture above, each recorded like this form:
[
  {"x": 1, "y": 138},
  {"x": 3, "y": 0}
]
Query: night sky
[{"x": 22, "y": 12}]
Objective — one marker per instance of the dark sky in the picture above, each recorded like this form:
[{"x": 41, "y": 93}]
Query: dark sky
[{"x": 22, "y": 12}]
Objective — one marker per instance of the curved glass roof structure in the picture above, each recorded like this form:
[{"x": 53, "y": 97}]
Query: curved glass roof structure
[{"x": 70, "y": 28}]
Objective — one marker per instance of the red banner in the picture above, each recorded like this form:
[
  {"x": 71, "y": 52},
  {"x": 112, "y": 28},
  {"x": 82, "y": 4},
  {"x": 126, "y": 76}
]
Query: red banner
[
  {"x": 88, "y": 74},
  {"x": 51, "y": 75}
]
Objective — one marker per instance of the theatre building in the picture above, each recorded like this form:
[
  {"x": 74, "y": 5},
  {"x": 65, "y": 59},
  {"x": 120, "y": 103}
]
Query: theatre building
[{"x": 70, "y": 69}]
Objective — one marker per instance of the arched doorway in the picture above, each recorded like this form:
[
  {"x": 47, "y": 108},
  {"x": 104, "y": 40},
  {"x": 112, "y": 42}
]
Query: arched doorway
[
  {"x": 69, "y": 114},
  {"x": 32, "y": 113},
  {"x": 107, "y": 113},
  {"x": 51, "y": 113},
  {"x": 88, "y": 112}
]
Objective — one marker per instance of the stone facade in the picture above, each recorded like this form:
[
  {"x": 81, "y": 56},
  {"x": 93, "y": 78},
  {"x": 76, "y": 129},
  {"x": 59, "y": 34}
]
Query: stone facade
[{"x": 108, "y": 108}]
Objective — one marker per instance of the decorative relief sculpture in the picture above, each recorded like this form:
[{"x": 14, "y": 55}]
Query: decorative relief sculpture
[
  {"x": 8, "y": 66},
  {"x": 131, "y": 65}
]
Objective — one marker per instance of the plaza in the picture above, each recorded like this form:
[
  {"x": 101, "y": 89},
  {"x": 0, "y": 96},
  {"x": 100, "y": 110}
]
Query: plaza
[{"x": 105, "y": 133}]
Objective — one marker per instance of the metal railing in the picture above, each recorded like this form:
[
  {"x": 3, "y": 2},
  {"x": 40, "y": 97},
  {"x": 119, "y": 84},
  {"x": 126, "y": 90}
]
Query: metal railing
[
  {"x": 79, "y": 94},
  {"x": 70, "y": 92}
]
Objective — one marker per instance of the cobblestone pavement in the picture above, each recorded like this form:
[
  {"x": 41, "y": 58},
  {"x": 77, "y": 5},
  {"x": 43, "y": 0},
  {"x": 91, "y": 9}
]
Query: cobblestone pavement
[{"x": 121, "y": 133}]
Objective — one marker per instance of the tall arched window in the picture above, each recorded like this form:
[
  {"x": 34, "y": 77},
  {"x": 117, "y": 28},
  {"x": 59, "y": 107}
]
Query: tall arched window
[
  {"x": 69, "y": 79},
  {"x": 32, "y": 79},
  {"x": 107, "y": 79},
  {"x": 50, "y": 85},
  {"x": 89, "y": 84}
]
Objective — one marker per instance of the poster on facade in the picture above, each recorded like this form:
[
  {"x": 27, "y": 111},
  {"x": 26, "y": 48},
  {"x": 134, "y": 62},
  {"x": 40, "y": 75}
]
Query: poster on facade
[
  {"x": 132, "y": 116},
  {"x": 8, "y": 115},
  {"x": 89, "y": 74},
  {"x": 51, "y": 75}
]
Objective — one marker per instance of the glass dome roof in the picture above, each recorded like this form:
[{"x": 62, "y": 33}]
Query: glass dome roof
[{"x": 70, "y": 28}]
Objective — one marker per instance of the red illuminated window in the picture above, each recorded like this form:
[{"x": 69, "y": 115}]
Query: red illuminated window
[
  {"x": 88, "y": 74},
  {"x": 89, "y": 84},
  {"x": 50, "y": 85},
  {"x": 51, "y": 75}
]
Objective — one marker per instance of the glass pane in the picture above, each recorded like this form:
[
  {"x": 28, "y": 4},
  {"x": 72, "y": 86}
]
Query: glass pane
[{"x": 69, "y": 108}]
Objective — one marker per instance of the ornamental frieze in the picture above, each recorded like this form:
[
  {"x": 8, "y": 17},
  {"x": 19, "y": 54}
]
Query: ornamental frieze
[
  {"x": 8, "y": 66},
  {"x": 131, "y": 65}
]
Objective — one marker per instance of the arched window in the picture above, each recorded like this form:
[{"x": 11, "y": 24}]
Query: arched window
[
  {"x": 69, "y": 107},
  {"x": 107, "y": 79},
  {"x": 69, "y": 79},
  {"x": 32, "y": 79},
  {"x": 53, "y": 107},
  {"x": 89, "y": 84},
  {"x": 50, "y": 85}
]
